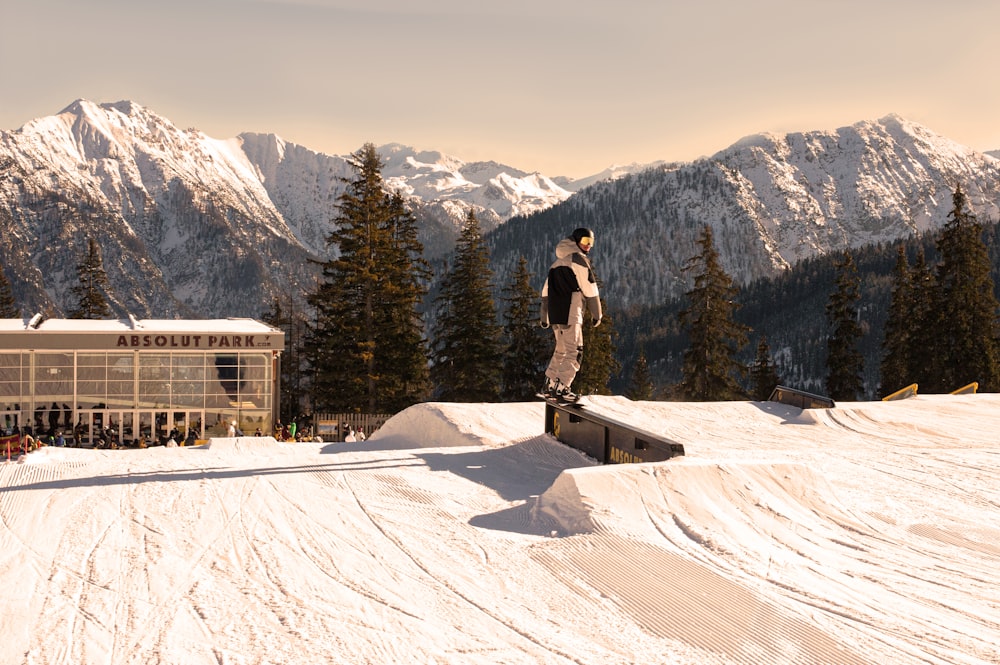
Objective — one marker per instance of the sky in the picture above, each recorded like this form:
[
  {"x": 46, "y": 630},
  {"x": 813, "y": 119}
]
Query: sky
[
  {"x": 556, "y": 86},
  {"x": 461, "y": 533}
]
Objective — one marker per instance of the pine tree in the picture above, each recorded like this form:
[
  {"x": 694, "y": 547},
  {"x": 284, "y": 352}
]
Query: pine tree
[
  {"x": 896, "y": 343},
  {"x": 8, "y": 306},
  {"x": 525, "y": 348},
  {"x": 641, "y": 385},
  {"x": 923, "y": 366},
  {"x": 599, "y": 364},
  {"x": 366, "y": 302},
  {"x": 402, "y": 362},
  {"x": 763, "y": 373},
  {"x": 293, "y": 377},
  {"x": 92, "y": 287},
  {"x": 467, "y": 340},
  {"x": 710, "y": 368},
  {"x": 844, "y": 361},
  {"x": 966, "y": 307}
]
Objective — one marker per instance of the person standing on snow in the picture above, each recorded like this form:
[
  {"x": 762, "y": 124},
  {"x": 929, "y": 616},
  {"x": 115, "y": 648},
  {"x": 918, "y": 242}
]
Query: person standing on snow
[{"x": 569, "y": 287}]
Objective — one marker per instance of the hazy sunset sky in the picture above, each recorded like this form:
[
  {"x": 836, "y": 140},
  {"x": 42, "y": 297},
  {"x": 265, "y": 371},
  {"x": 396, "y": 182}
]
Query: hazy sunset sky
[{"x": 565, "y": 87}]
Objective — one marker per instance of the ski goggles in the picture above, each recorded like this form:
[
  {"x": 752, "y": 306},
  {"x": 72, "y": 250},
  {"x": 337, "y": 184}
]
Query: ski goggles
[{"x": 586, "y": 241}]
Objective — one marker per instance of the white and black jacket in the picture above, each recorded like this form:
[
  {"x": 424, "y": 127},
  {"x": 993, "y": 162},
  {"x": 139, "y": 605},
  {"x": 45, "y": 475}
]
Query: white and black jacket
[{"x": 569, "y": 287}]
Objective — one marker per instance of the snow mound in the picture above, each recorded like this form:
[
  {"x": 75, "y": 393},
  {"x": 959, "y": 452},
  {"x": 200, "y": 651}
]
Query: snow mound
[
  {"x": 710, "y": 531},
  {"x": 719, "y": 505},
  {"x": 439, "y": 424},
  {"x": 245, "y": 443}
]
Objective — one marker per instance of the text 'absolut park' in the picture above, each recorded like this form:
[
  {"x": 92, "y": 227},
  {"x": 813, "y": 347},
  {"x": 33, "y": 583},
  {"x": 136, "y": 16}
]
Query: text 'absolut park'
[{"x": 194, "y": 341}]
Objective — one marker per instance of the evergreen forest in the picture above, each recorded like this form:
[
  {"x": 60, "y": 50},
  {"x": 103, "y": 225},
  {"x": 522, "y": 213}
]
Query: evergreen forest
[{"x": 789, "y": 312}]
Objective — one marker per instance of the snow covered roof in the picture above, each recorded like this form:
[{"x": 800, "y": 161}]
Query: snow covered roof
[
  {"x": 230, "y": 325},
  {"x": 168, "y": 334}
]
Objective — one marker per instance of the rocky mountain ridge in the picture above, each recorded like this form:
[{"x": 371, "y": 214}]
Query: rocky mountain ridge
[
  {"x": 771, "y": 201},
  {"x": 195, "y": 226}
]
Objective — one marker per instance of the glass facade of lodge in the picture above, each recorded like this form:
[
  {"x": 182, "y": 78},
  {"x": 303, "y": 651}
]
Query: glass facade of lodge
[{"x": 150, "y": 379}]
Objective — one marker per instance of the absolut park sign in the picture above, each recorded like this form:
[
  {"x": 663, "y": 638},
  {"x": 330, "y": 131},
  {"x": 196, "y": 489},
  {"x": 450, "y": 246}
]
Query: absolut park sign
[
  {"x": 254, "y": 336},
  {"x": 174, "y": 341}
]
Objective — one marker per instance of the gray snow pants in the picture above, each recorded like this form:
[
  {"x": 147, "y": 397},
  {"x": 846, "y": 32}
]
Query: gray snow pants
[{"x": 566, "y": 356}]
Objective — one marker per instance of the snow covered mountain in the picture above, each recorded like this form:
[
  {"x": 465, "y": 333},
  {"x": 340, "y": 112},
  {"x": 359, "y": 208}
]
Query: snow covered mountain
[
  {"x": 433, "y": 176},
  {"x": 196, "y": 226},
  {"x": 201, "y": 226},
  {"x": 770, "y": 200}
]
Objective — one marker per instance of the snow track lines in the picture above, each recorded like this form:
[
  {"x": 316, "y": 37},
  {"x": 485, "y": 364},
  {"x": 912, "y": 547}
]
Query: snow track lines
[
  {"x": 463, "y": 534},
  {"x": 693, "y": 598},
  {"x": 755, "y": 516},
  {"x": 688, "y": 602}
]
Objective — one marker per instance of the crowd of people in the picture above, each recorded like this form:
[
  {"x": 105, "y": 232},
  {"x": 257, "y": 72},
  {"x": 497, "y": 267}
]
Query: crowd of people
[
  {"x": 292, "y": 432},
  {"x": 15, "y": 440},
  {"x": 18, "y": 439}
]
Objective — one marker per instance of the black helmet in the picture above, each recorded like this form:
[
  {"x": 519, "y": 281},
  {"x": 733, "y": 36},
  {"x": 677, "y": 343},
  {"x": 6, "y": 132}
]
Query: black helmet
[{"x": 581, "y": 233}]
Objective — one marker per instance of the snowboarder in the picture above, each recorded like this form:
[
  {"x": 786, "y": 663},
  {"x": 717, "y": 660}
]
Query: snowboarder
[{"x": 569, "y": 287}]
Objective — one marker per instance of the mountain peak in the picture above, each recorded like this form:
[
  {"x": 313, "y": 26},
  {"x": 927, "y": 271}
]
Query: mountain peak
[{"x": 101, "y": 113}]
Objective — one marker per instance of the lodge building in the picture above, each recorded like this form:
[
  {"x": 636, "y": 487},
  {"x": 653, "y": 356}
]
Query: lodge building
[{"x": 138, "y": 378}]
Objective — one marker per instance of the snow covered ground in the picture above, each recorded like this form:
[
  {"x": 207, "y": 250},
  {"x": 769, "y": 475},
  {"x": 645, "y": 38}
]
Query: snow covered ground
[{"x": 868, "y": 533}]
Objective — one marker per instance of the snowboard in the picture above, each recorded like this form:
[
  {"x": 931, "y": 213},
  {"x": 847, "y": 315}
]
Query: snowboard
[{"x": 558, "y": 402}]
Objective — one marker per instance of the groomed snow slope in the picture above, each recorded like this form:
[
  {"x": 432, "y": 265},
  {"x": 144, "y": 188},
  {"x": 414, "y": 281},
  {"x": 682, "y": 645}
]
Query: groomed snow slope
[{"x": 461, "y": 533}]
